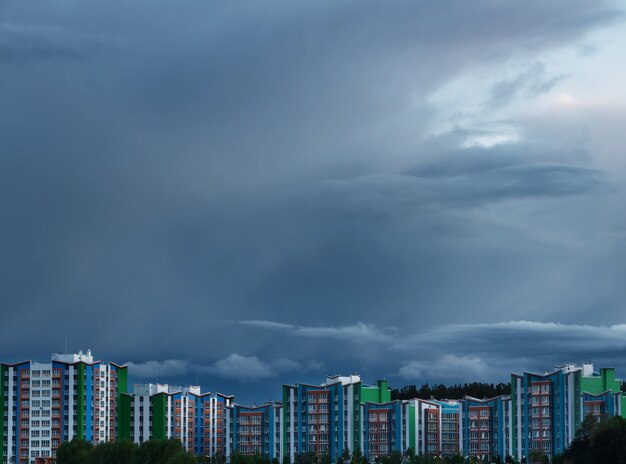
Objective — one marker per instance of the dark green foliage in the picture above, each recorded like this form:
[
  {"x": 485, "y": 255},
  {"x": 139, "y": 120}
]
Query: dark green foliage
[
  {"x": 598, "y": 443},
  {"x": 238, "y": 458},
  {"x": 608, "y": 442},
  {"x": 394, "y": 458},
  {"x": 218, "y": 459},
  {"x": 345, "y": 456},
  {"x": 121, "y": 452},
  {"x": 441, "y": 391},
  {"x": 306, "y": 458},
  {"x": 124, "y": 452},
  {"x": 77, "y": 451},
  {"x": 457, "y": 459},
  {"x": 538, "y": 457},
  {"x": 158, "y": 451},
  {"x": 182, "y": 458}
]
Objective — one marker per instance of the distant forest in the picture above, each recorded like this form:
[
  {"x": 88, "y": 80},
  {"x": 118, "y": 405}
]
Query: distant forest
[
  {"x": 454, "y": 392},
  {"x": 451, "y": 392}
]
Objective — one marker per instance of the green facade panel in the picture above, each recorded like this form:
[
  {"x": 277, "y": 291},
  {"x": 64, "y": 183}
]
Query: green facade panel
[
  {"x": 159, "y": 418},
  {"x": 599, "y": 384},
  {"x": 80, "y": 401},
  {"x": 412, "y": 443},
  {"x": 123, "y": 416}
]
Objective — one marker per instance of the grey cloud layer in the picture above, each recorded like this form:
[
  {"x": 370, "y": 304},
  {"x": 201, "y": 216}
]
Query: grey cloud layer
[
  {"x": 165, "y": 173},
  {"x": 478, "y": 351}
]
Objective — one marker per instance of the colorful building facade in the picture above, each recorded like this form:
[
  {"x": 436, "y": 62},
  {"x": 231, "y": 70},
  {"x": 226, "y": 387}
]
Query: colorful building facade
[
  {"x": 73, "y": 396},
  {"x": 383, "y": 428},
  {"x": 198, "y": 420},
  {"x": 46, "y": 404},
  {"x": 548, "y": 409},
  {"x": 255, "y": 430},
  {"x": 327, "y": 418},
  {"x": 486, "y": 427},
  {"x": 435, "y": 427}
]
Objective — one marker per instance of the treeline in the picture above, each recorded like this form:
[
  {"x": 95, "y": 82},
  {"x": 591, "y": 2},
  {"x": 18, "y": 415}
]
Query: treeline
[
  {"x": 596, "y": 442},
  {"x": 458, "y": 391},
  {"x": 80, "y": 451}
]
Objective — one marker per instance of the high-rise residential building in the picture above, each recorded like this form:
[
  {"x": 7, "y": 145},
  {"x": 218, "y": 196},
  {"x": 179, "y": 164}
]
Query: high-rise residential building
[
  {"x": 73, "y": 396},
  {"x": 327, "y": 418},
  {"x": 383, "y": 429},
  {"x": 46, "y": 404},
  {"x": 435, "y": 427},
  {"x": 486, "y": 427},
  {"x": 198, "y": 420},
  {"x": 255, "y": 430},
  {"x": 547, "y": 409}
]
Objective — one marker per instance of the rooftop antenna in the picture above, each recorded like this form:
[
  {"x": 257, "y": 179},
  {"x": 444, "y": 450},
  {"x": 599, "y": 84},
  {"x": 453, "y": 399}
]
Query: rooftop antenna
[{"x": 157, "y": 374}]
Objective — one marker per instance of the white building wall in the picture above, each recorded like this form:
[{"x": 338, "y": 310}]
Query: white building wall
[{"x": 10, "y": 411}]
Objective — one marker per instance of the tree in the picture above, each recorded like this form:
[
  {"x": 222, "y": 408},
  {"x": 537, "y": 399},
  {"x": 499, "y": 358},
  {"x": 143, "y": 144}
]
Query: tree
[
  {"x": 306, "y": 458},
  {"x": 427, "y": 391},
  {"x": 119, "y": 452},
  {"x": 538, "y": 457},
  {"x": 608, "y": 442},
  {"x": 77, "y": 451},
  {"x": 345, "y": 456},
  {"x": 357, "y": 457},
  {"x": 181, "y": 457},
  {"x": 158, "y": 451},
  {"x": 456, "y": 459}
]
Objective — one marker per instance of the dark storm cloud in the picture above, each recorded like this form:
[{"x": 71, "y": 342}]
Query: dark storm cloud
[
  {"x": 270, "y": 162},
  {"x": 486, "y": 352}
]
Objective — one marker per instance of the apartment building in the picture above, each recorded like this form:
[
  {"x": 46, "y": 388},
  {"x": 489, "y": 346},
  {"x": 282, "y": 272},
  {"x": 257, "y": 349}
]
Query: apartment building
[
  {"x": 547, "y": 409},
  {"x": 256, "y": 430},
  {"x": 435, "y": 427},
  {"x": 160, "y": 411},
  {"x": 327, "y": 418},
  {"x": 486, "y": 427},
  {"x": 46, "y": 404},
  {"x": 383, "y": 430}
]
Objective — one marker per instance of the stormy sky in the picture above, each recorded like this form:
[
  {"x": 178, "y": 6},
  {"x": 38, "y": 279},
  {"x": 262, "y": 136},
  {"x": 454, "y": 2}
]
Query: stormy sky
[{"x": 245, "y": 194}]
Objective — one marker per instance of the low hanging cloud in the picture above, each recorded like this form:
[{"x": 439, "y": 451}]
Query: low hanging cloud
[
  {"x": 233, "y": 366},
  {"x": 159, "y": 369},
  {"x": 446, "y": 367},
  {"x": 482, "y": 352},
  {"x": 236, "y": 366},
  {"x": 358, "y": 331}
]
